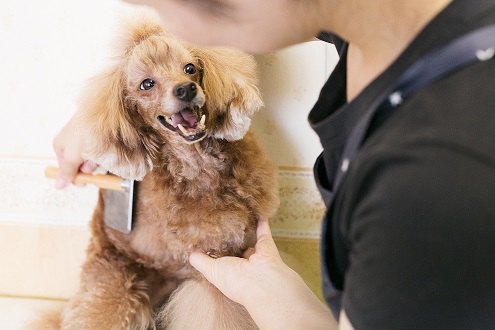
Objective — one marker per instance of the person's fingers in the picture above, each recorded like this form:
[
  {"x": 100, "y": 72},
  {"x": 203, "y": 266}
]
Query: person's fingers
[
  {"x": 249, "y": 252},
  {"x": 210, "y": 268},
  {"x": 225, "y": 273},
  {"x": 201, "y": 262},
  {"x": 88, "y": 167},
  {"x": 69, "y": 169},
  {"x": 69, "y": 166},
  {"x": 265, "y": 244},
  {"x": 263, "y": 229}
]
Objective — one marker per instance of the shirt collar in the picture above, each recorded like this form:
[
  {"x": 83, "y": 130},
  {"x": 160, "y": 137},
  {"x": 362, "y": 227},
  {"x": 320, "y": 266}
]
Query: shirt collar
[{"x": 332, "y": 118}]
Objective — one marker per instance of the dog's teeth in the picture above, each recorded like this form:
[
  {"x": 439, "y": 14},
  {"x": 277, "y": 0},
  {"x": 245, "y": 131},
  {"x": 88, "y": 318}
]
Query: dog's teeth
[
  {"x": 203, "y": 120},
  {"x": 182, "y": 129}
]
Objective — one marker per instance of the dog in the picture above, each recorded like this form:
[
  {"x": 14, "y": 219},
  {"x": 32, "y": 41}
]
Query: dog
[{"x": 176, "y": 117}]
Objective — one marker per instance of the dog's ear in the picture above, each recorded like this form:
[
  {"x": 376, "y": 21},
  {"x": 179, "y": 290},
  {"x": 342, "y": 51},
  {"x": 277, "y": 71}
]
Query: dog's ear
[
  {"x": 230, "y": 84},
  {"x": 119, "y": 141},
  {"x": 116, "y": 140}
]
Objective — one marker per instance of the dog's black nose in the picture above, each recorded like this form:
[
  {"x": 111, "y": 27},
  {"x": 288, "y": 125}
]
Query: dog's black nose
[{"x": 186, "y": 91}]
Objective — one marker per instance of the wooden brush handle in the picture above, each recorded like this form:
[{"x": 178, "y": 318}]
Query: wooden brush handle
[{"x": 105, "y": 181}]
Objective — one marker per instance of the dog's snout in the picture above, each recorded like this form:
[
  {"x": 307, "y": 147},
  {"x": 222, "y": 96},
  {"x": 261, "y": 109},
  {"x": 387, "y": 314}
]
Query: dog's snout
[{"x": 186, "y": 91}]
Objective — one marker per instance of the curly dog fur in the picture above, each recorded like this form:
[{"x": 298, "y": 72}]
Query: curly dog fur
[{"x": 204, "y": 185}]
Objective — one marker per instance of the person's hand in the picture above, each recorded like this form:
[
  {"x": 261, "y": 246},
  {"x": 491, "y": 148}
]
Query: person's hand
[
  {"x": 275, "y": 296},
  {"x": 69, "y": 146}
]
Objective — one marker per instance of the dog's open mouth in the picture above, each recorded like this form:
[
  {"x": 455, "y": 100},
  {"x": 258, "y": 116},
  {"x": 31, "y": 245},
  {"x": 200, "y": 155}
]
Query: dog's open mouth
[{"x": 188, "y": 123}]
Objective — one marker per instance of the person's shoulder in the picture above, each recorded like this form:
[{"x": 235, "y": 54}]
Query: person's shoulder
[
  {"x": 457, "y": 112},
  {"x": 419, "y": 222},
  {"x": 438, "y": 142}
]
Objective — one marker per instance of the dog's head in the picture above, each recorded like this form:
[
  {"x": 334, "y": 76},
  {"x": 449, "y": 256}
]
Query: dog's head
[{"x": 162, "y": 91}]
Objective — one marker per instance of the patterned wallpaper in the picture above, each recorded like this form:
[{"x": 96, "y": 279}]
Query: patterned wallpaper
[
  {"x": 301, "y": 208},
  {"x": 28, "y": 197}
]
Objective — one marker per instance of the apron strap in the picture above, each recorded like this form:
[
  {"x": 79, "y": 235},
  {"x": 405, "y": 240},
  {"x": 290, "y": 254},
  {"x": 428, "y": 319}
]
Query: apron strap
[
  {"x": 473, "y": 47},
  {"x": 476, "y": 46}
]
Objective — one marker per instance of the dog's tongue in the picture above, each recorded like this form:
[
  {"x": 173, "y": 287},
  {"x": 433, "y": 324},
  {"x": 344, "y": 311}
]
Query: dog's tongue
[{"x": 186, "y": 118}]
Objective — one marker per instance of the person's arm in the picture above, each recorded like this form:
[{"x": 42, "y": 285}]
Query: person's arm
[{"x": 275, "y": 296}]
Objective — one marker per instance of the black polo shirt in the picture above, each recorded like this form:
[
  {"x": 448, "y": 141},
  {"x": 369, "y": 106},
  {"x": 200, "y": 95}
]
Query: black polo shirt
[{"x": 411, "y": 239}]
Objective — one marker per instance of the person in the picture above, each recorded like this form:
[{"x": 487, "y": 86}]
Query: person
[{"x": 410, "y": 235}]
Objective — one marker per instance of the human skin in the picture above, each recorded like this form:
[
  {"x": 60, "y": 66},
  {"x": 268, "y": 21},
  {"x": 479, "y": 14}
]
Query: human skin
[{"x": 377, "y": 32}]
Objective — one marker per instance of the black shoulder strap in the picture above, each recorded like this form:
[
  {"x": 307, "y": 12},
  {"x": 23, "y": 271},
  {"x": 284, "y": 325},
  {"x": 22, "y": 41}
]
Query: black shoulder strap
[
  {"x": 468, "y": 49},
  {"x": 476, "y": 46}
]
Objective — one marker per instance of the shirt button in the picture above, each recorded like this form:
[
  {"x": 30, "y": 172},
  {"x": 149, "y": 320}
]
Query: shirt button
[
  {"x": 345, "y": 165},
  {"x": 395, "y": 98},
  {"x": 485, "y": 54}
]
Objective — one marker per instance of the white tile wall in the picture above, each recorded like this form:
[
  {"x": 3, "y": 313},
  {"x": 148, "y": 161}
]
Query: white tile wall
[
  {"x": 48, "y": 50},
  {"x": 28, "y": 197},
  {"x": 291, "y": 80}
]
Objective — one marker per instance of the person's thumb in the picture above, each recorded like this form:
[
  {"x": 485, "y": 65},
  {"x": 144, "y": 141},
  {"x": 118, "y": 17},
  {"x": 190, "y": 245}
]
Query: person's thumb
[
  {"x": 204, "y": 264},
  {"x": 223, "y": 272},
  {"x": 265, "y": 244},
  {"x": 88, "y": 167}
]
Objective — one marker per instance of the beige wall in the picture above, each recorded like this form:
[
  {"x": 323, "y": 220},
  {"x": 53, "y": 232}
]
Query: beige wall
[{"x": 49, "y": 48}]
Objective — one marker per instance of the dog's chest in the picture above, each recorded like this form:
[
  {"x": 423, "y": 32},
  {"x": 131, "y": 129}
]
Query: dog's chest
[{"x": 169, "y": 225}]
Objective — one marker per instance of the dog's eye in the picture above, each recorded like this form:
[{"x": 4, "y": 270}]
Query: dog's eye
[
  {"x": 190, "y": 69},
  {"x": 147, "y": 84}
]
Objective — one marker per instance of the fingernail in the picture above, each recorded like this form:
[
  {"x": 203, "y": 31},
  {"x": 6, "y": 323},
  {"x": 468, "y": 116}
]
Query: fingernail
[{"x": 60, "y": 183}]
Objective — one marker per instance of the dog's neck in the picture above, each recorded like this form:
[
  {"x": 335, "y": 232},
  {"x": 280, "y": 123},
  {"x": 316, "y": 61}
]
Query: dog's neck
[{"x": 200, "y": 166}]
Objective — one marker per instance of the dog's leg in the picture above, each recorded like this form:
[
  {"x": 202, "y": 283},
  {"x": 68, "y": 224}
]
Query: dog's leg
[
  {"x": 112, "y": 296},
  {"x": 197, "y": 304}
]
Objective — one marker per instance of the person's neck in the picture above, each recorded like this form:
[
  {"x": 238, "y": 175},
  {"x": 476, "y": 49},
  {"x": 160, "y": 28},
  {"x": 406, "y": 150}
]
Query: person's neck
[{"x": 378, "y": 32}]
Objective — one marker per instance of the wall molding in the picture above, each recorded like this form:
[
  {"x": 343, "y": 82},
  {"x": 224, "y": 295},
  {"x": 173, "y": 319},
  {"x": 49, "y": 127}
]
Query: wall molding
[{"x": 28, "y": 197}]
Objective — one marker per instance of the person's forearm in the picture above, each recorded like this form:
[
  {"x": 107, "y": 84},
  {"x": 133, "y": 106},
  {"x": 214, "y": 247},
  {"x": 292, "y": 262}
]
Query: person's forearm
[
  {"x": 275, "y": 296},
  {"x": 287, "y": 316},
  {"x": 297, "y": 308}
]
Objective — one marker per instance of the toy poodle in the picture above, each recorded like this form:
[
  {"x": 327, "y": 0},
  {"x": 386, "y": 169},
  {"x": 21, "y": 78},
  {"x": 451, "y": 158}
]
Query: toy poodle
[{"x": 176, "y": 117}]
